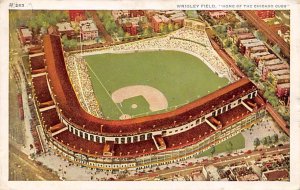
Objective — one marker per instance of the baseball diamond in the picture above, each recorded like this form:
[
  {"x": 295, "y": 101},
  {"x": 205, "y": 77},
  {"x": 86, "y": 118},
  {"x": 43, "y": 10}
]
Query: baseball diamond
[{"x": 179, "y": 77}]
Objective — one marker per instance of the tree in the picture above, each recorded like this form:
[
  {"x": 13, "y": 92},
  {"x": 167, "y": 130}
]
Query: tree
[
  {"x": 274, "y": 138},
  {"x": 46, "y": 18},
  {"x": 276, "y": 49},
  {"x": 163, "y": 28},
  {"x": 227, "y": 43},
  {"x": 176, "y": 26},
  {"x": 212, "y": 150},
  {"x": 110, "y": 26},
  {"x": 120, "y": 32},
  {"x": 269, "y": 140},
  {"x": 264, "y": 141},
  {"x": 284, "y": 138},
  {"x": 244, "y": 25},
  {"x": 146, "y": 32},
  {"x": 260, "y": 35},
  {"x": 191, "y": 14},
  {"x": 256, "y": 142},
  {"x": 170, "y": 27},
  {"x": 256, "y": 76},
  {"x": 271, "y": 80},
  {"x": 234, "y": 49},
  {"x": 71, "y": 44},
  {"x": 238, "y": 25},
  {"x": 126, "y": 36},
  {"x": 229, "y": 146}
]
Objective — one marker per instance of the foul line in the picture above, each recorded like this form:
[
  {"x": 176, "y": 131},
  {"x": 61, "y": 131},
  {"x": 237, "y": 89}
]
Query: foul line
[{"x": 104, "y": 88}]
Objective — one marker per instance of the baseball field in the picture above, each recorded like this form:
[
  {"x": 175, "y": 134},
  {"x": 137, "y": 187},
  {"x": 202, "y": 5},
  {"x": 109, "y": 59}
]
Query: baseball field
[{"x": 129, "y": 85}]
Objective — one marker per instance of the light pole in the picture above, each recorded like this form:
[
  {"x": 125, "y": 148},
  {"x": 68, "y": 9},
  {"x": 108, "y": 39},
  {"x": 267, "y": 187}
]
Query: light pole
[{"x": 80, "y": 39}]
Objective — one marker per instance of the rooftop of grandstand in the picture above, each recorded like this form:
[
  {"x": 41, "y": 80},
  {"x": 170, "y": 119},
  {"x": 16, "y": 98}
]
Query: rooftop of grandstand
[
  {"x": 79, "y": 144},
  {"x": 37, "y": 62},
  {"x": 41, "y": 89},
  {"x": 233, "y": 115},
  {"x": 50, "y": 117},
  {"x": 187, "y": 137},
  {"x": 57, "y": 127}
]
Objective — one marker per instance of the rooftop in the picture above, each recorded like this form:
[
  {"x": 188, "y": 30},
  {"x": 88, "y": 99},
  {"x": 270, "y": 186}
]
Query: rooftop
[
  {"x": 259, "y": 54},
  {"x": 284, "y": 85},
  {"x": 268, "y": 57},
  {"x": 273, "y": 61},
  {"x": 281, "y": 72},
  {"x": 26, "y": 32},
  {"x": 64, "y": 26},
  {"x": 277, "y": 67},
  {"x": 88, "y": 25},
  {"x": 160, "y": 18},
  {"x": 276, "y": 175}
]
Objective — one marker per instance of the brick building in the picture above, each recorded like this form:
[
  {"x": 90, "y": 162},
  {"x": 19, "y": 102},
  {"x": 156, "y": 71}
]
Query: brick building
[
  {"x": 88, "y": 30},
  {"x": 77, "y": 15},
  {"x": 25, "y": 35},
  {"x": 265, "y": 13}
]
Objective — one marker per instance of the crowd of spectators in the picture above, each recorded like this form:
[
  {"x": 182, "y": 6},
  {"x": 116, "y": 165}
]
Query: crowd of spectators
[
  {"x": 79, "y": 76},
  {"x": 187, "y": 40}
]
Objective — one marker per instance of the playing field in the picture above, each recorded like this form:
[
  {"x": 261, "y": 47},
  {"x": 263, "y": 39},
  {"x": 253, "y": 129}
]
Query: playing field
[{"x": 179, "y": 77}]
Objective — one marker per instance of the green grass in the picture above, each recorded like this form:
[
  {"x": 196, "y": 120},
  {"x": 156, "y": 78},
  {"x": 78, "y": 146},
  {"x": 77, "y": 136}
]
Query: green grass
[
  {"x": 181, "y": 77},
  {"x": 238, "y": 142}
]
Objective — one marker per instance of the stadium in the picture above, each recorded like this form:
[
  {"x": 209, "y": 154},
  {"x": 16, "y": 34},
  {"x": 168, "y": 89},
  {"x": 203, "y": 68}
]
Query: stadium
[{"x": 162, "y": 131}]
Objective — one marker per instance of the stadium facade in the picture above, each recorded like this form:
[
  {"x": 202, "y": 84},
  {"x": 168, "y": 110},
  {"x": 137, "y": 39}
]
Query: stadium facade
[{"x": 140, "y": 142}]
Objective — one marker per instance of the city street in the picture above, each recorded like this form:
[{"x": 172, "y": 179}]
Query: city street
[
  {"x": 22, "y": 168},
  {"x": 168, "y": 173}
]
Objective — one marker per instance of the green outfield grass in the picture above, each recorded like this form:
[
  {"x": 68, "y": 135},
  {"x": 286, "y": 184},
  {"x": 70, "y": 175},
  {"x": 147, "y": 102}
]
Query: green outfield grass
[
  {"x": 181, "y": 77},
  {"x": 234, "y": 143}
]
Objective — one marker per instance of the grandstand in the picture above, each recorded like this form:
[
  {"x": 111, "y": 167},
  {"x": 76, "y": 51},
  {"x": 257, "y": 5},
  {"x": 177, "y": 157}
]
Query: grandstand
[{"x": 139, "y": 142}]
